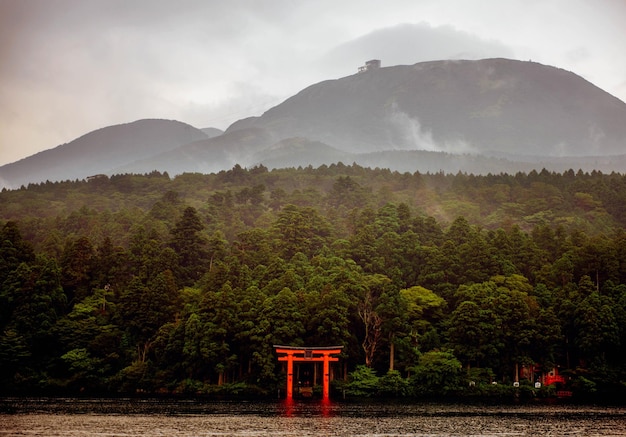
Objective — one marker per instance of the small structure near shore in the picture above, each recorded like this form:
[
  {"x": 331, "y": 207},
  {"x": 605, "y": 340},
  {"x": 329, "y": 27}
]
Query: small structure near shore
[{"x": 293, "y": 354}]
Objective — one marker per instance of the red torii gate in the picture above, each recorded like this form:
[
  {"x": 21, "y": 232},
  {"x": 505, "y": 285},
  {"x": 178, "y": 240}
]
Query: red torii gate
[{"x": 295, "y": 354}]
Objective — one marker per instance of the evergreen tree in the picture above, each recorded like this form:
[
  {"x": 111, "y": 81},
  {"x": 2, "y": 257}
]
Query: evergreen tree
[{"x": 191, "y": 247}]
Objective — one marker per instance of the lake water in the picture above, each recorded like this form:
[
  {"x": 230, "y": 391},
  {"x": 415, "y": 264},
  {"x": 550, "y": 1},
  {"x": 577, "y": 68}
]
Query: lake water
[{"x": 152, "y": 417}]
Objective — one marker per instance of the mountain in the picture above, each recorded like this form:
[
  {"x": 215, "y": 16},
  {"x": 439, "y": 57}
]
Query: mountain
[
  {"x": 491, "y": 115},
  {"x": 486, "y": 106},
  {"x": 207, "y": 155},
  {"x": 100, "y": 151},
  {"x": 212, "y": 132}
]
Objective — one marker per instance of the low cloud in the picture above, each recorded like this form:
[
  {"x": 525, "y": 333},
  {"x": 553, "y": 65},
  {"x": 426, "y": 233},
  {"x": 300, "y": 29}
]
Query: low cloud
[
  {"x": 410, "y": 135},
  {"x": 407, "y": 44}
]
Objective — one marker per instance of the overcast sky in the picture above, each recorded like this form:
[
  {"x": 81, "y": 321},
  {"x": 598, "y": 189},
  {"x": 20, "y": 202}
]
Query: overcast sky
[{"x": 68, "y": 67}]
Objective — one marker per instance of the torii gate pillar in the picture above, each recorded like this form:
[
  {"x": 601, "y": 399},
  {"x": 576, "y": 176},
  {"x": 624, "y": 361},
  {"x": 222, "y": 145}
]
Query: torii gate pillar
[{"x": 293, "y": 354}]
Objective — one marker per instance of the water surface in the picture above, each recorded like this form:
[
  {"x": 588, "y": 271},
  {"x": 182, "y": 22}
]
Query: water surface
[{"x": 154, "y": 417}]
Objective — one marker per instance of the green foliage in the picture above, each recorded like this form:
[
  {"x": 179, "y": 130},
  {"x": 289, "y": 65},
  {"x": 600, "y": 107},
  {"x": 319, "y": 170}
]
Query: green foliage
[
  {"x": 584, "y": 386},
  {"x": 190, "y": 247},
  {"x": 183, "y": 284},
  {"x": 79, "y": 362},
  {"x": 362, "y": 382},
  {"x": 423, "y": 307},
  {"x": 392, "y": 384},
  {"x": 436, "y": 372},
  {"x": 14, "y": 353}
]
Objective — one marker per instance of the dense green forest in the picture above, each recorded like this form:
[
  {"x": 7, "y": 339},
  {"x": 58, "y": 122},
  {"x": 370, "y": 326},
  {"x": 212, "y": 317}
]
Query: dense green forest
[{"x": 434, "y": 284}]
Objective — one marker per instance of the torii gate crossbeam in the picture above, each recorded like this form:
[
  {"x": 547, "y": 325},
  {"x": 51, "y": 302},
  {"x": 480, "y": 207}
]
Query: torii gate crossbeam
[{"x": 292, "y": 354}]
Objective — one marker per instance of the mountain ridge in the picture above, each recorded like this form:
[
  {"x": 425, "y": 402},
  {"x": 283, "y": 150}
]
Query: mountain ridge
[
  {"x": 99, "y": 151},
  {"x": 520, "y": 114},
  {"x": 470, "y": 106}
]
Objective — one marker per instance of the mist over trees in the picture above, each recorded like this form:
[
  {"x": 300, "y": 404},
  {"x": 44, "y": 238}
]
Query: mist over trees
[{"x": 146, "y": 283}]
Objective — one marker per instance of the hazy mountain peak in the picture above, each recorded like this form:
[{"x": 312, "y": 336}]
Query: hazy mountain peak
[
  {"x": 395, "y": 116},
  {"x": 100, "y": 151},
  {"x": 455, "y": 106}
]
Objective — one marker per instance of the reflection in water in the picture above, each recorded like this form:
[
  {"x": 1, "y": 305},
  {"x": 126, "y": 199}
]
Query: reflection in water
[
  {"x": 289, "y": 405},
  {"x": 304, "y": 418},
  {"x": 323, "y": 408},
  {"x": 326, "y": 407},
  {"x": 132, "y": 417}
]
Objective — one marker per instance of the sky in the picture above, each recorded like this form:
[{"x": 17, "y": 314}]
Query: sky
[{"x": 68, "y": 67}]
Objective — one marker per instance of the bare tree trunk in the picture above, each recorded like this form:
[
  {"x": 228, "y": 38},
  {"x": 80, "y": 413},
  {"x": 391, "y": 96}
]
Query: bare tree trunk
[
  {"x": 392, "y": 350},
  {"x": 143, "y": 353},
  {"x": 372, "y": 322}
]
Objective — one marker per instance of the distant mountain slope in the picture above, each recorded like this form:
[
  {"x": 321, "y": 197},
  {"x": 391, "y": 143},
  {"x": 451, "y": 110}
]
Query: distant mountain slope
[
  {"x": 212, "y": 132},
  {"x": 206, "y": 156},
  {"x": 455, "y": 106},
  {"x": 295, "y": 152},
  {"x": 100, "y": 151},
  {"x": 487, "y": 116}
]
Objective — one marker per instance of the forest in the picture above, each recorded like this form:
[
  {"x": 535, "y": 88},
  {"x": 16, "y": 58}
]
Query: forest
[{"x": 436, "y": 285}]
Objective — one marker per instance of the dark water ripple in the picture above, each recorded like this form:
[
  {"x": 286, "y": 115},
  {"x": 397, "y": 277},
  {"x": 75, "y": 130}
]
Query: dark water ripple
[{"x": 69, "y": 417}]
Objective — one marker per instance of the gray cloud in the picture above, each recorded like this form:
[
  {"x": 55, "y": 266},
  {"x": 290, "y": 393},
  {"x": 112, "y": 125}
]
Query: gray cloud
[{"x": 412, "y": 43}]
